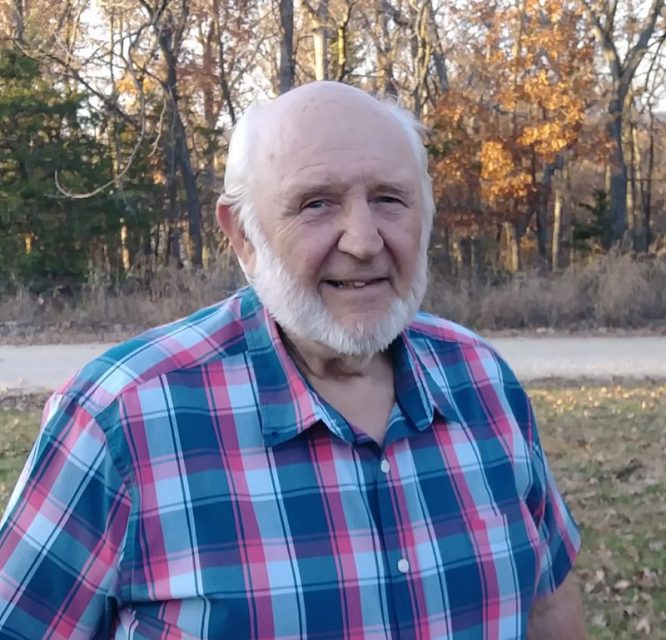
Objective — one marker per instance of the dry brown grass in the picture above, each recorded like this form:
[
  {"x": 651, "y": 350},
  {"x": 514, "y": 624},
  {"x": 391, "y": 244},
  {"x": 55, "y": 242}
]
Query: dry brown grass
[
  {"x": 611, "y": 291},
  {"x": 109, "y": 311}
]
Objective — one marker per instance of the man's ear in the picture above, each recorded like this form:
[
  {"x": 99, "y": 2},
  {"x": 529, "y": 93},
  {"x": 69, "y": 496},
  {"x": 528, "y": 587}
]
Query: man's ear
[{"x": 233, "y": 229}]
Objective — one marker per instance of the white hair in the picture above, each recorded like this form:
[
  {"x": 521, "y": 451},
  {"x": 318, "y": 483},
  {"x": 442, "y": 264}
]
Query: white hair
[{"x": 238, "y": 173}]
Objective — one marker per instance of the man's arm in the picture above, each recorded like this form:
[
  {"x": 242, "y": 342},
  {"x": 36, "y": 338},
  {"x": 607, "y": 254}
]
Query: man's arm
[
  {"x": 559, "y": 614},
  {"x": 61, "y": 538}
]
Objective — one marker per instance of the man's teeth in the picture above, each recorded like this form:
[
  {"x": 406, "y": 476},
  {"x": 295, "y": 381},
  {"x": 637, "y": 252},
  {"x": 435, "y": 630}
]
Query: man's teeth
[{"x": 350, "y": 284}]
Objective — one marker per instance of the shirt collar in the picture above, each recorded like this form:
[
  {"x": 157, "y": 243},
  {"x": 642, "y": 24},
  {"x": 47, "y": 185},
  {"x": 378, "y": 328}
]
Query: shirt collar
[
  {"x": 417, "y": 393},
  {"x": 287, "y": 404}
]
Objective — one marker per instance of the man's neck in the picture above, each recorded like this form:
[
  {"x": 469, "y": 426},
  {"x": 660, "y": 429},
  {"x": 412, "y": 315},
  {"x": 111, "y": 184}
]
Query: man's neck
[
  {"x": 360, "y": 388},
  {"x": 318, "y": 362}
]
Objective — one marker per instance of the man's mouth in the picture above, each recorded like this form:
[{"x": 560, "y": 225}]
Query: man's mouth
[{"x": 353, "y": 284}]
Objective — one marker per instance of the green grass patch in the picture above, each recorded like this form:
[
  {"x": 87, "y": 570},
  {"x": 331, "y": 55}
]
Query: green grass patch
[
  {"x": 19, "y": 423},
  {"x": 606, "y": 445}
]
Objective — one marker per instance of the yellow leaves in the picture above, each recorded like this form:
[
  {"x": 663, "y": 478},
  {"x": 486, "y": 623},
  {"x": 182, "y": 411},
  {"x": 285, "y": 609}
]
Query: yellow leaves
[
  {"x": 501, "y": 177},
  {"x": 127, "y": 85},
  {"x": 547, "y": 138},
  {"x": 553, "y": 95},
  {"x": 158, "y": 176},
  {"x": 495, "y": 159},
  {"x": 494, "y": 140}
]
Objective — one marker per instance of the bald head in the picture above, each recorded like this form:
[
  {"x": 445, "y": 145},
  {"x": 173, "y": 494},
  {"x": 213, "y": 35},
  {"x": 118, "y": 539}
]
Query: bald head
[
  {"x": 270, "y": 130},
  {"x": 310, "y": 97},
  {"x": 315, "y": 105}
]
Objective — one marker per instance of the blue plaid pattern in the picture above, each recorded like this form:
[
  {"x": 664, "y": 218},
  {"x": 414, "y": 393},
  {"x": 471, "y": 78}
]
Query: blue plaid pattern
[{"x": 190, "y": 484}]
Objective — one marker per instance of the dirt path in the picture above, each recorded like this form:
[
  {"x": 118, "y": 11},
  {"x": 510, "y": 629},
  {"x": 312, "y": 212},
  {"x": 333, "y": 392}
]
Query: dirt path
[{"x": 45, "y": 367}]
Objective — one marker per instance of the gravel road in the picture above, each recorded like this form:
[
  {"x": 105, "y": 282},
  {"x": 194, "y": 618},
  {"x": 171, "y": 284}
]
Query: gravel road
[{"x": 45, "y": 367}]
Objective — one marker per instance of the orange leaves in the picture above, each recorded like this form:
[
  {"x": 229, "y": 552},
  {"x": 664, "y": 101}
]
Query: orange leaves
[
  {"x": 518, "y": 109},
  {"x": 501, "y": 177},
  {"x": 548, "y": 139}
]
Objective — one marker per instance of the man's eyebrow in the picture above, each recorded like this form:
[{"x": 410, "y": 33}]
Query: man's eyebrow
[
  {"x": 400, "y": 187},
  {"x": 302, "y": 190},
  {"x": 299, "y": 191}
]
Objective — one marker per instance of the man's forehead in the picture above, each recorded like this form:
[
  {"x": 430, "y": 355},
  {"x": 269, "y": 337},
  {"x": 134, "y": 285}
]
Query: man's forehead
[
  {"x": 321, "y": 94},
  {"x": 315, "y": 109}
]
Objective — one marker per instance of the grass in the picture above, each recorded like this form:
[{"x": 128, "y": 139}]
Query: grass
[
  {"x": 614, "y": 290},
  {"x": 606, "y": 445},
  {"x": 19, "y": 422}
]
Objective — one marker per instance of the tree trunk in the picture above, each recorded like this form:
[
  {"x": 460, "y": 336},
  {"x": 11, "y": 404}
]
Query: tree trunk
[
  {"x": 557, "y": 230},
  {"x": 647, "y": 201},
  {"x": 427, "y": 48},
  {"x": 439, "y": 59},
  {"x": 384, "y": 51},
  {"x": 320, "y": 41},
  {"x": 222, "y": 69},
  {"x": 608, "y": 174},
  {"x": 631, "y": 183},
  {"x": 543, "y": 200},
  {"x": 181, "y": 154},
  {"x": 19, "y": 21},
  {"x": 618, "y": 181},
  {"x": 341, "y": 44},
  {"x": 172, "y": 221},
  {"x": 622, "y": 69},
  {"x": 421, "y": 51},
  {"x": 287, "y": 65},
  {"x": 637, "y": 191},
  {"x": 512, "y": 258},
  {"x": 542, "y": 234},
  {"x": 191, "y": 195}
]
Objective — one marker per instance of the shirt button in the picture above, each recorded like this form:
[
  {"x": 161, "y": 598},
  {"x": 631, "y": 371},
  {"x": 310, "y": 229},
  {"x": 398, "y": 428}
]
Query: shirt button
[
  {"x": 385, "y": 466},
  {"x": 403, "y": 565}
]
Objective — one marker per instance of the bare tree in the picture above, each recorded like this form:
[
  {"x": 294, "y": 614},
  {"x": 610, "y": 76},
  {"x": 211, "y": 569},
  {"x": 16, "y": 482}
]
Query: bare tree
[
  {"x": 170, "y": 26},
  {"x": 602, "y": 16},
  {"x": 319, "y": 15},
  {"x": 287, "y": 64},
  {"x": 654, "y": 91}
]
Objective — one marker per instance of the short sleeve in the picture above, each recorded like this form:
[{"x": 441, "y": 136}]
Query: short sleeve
[
  {"x": 559, "y": 537},
  {"x": 62, "y": 535}
]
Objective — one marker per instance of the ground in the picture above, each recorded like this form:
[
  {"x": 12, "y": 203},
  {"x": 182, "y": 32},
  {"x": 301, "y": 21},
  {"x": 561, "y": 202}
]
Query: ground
[{"x": 606, "y": 445}]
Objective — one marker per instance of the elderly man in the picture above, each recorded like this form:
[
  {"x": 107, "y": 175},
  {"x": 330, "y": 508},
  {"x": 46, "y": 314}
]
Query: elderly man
[{"x": 310, "y": 458}]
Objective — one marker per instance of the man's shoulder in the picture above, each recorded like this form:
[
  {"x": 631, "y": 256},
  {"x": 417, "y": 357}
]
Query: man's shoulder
[
  {"x": 435, "y": 329},
  {"x": 213, "y": 332},
  {"x": 441, "y": 342},
  {"x": 457, "y": 356}
]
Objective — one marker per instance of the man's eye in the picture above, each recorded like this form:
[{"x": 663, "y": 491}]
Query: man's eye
[
  {"x": 388, "y": 200},
  {"x": 315, "y": 204}
]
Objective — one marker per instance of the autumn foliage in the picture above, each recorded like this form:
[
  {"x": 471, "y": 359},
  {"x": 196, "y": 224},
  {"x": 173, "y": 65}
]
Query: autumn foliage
[
  {"x": 534, "y": 107},
  {"x": 499, "y": 139}
]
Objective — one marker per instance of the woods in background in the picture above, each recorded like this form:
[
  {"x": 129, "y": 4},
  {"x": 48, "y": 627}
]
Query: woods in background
[{"x": 547, "y": 123}]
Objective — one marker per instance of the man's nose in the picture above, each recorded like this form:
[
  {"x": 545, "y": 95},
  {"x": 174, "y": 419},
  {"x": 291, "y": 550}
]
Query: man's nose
[{"x": 360, "y": 235}]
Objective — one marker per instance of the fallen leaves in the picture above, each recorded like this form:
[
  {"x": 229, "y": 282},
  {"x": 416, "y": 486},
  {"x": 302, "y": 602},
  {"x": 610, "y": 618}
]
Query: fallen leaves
[{"x": 606, "y": 445}]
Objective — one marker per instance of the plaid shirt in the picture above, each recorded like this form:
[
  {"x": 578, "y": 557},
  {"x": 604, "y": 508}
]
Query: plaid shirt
[{"x": 191, "y": 484}]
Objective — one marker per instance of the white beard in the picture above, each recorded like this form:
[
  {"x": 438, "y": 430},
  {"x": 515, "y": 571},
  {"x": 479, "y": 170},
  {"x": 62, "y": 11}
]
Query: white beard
[{"x": 302, "y": 313}]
